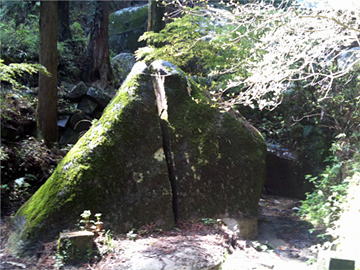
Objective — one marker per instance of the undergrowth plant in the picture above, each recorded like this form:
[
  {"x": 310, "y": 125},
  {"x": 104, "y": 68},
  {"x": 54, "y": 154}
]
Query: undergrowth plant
[
  {"x": 71, "y": 53},
  {"x": 340, "y": 113},
  {"x": 12, "y": 72},
  {"x": 107, "y": 244},
  {"x": 19, "y": 36},
  {"x": 344, "y": 232},
  {"x": 88, "y": 224},
  {"x": 210, "y": 221},
  {"x": 324, "y": 206}
]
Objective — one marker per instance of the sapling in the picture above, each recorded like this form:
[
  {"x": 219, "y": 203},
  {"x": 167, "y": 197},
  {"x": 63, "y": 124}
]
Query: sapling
[
  {"x": 91, "y": 225},
  {"x": 86, "y": 220},
  {"x": 98, "y": 223}
]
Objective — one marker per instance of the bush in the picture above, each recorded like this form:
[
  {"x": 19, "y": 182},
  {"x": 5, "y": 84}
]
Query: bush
[
  {"x": 26, "y": 165},
  {"x": 20, "y": 42},
  {"x": 13, "y": 72},
  {"x": 71, "y": 53},
  {"x": 325, "y": 204},
  {"x": 202, "y": 45}
]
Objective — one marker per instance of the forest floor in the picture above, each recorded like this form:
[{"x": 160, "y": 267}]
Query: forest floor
[{"x": 284, "y": 242}]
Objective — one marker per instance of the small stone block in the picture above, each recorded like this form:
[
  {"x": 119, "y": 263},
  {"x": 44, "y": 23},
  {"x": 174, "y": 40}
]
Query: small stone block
[
  {"x": 332, "y": 260},
  {"x": 75, "y": 247},
  {"x": 340, "y": 264},
  {"x": 62, "y": 120}
]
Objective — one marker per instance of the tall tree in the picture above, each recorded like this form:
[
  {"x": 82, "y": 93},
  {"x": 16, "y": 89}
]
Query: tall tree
[
  {"x": 64, "y": 32},
  {"x": 46, "y": 112},
  {"x": 98, "y": 56},
  {"x": 156, "y": 16}
]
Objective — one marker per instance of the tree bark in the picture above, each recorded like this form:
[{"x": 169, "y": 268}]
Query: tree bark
[
  {"x": 46, "y": 112},
  {"x": 64, "y": 32},
  {"x": 156, "y": 15},
  {"x": 98, "y": 57}
]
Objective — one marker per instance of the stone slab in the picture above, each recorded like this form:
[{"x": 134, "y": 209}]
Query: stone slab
[{"x": 332, "y": 260}]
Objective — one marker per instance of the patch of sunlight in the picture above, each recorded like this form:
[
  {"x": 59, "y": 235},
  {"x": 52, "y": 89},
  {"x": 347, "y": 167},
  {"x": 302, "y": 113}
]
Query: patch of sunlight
[{"x": 159, "y": 155}]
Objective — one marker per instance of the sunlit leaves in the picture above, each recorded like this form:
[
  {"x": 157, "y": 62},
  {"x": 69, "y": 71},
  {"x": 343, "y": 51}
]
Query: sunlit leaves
[
  {"x": 261, "y": 49},
  {"x": 9, "y": 73}
]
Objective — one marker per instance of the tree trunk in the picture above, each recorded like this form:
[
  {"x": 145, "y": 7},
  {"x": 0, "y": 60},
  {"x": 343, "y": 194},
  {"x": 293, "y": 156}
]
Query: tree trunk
[
  {"x": 46, "y": 112},
  {"x": 156, "y": 15},
  {"x": 64, "y": 32},
  {"x": 98, "y": 61}
]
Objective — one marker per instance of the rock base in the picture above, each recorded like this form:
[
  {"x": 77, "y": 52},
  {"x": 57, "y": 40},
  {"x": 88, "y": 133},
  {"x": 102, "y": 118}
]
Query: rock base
[
  {"x": 75, "y": 247},
  {"x": 244, "y": 227}
]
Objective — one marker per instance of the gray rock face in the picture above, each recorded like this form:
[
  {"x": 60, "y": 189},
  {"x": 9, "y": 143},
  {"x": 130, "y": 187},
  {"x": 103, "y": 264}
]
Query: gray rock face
[
  {"x": 121, "y": 65},
  {"x": 87, "y": 105},
  {"x": 77, "y": 119},
  {"x": 63, "y": 120},
  {"x": 69, "y": 136},
  {"x": 218, "y": 160},
  {"x": 77, "y": 92},
  {"x": 151, "y": 158},
  {"x": 99, "y": 96}
]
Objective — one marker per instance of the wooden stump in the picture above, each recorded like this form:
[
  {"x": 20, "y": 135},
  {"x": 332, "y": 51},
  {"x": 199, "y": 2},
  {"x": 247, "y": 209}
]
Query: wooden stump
[{"x": 75, "y": 247}]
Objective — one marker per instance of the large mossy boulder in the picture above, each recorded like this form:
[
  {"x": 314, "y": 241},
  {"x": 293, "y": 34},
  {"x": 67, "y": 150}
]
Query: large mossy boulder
[
  {"x": 117, "y": 168},
  {"x": 125, "y": 28},
  {"x": 153, "y": 157}
]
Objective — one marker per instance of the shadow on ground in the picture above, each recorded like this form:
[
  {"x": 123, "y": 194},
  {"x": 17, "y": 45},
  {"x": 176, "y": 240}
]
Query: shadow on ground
[{"x": 284, "y": 243}]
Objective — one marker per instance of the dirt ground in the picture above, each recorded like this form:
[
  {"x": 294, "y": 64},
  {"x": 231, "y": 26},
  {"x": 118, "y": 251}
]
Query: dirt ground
[{"x": 284, "y": 242}]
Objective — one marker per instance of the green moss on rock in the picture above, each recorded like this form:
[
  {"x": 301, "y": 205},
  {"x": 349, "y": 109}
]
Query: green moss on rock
[
  {"x": 128, "y": 19},
  {"x": 219, "y": 158},
  {"x": 100, "y": 174},
  {"x": 118, "y": 168},
  {"x": 125, "y": 28}
]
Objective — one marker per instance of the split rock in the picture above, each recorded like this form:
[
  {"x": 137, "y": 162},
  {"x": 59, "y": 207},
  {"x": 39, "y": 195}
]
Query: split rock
[
  {"x": 151, "y": 158},
  {"x": 218, "y": 159}
]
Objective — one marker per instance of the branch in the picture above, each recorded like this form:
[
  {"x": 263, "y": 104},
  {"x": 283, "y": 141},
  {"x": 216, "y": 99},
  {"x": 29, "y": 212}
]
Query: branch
[{"x": 332, "y": 19}]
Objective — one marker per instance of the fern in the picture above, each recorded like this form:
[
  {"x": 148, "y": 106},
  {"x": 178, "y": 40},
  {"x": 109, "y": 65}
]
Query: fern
[{"x": 9, "y": 73}]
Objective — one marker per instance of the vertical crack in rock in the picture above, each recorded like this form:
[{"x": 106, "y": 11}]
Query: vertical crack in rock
[{"x": 158, "y": 82}]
